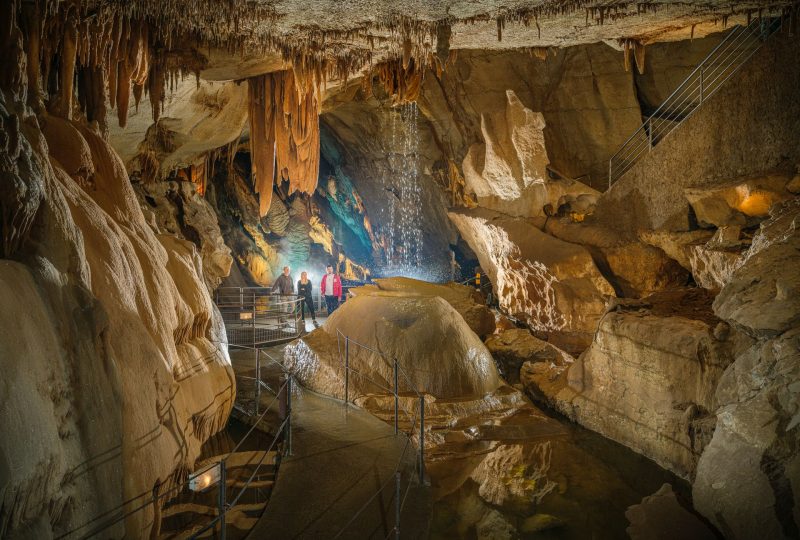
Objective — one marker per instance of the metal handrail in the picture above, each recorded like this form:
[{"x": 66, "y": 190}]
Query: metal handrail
[
  {"x": 283, "y": 429},
  {"x": 717, "y": 67}
]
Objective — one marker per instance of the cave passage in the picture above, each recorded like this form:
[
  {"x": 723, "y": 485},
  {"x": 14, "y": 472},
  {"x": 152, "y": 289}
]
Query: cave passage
[{"x": 438, "y": 269}]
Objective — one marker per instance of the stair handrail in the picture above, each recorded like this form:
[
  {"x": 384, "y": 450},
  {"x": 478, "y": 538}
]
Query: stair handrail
[{"x": 727, "y": 56}]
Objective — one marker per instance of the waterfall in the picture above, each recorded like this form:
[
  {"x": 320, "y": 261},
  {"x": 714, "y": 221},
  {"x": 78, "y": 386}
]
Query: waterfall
[{"x": 403, "y": 233}]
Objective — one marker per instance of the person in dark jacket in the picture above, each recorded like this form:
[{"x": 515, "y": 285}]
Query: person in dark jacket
[
  {"x": 283, "y": 285},
  {"x": 304, "y": 290}
]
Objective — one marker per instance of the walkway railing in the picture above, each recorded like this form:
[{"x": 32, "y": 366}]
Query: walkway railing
[
  {"x": 416, "y": 421},
  {"x": 254, "y": 316},
  {"x": 208, "y": 476},
  {"x": 704, "y": 81}
]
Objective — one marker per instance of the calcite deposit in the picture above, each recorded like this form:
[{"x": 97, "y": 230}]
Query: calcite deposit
[
  {"x": 152, "y": 152},
  {"x": 140, "y": 329}
]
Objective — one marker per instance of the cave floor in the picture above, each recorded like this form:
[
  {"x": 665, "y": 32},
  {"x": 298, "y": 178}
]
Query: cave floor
[{"x": 341, "y": 456}]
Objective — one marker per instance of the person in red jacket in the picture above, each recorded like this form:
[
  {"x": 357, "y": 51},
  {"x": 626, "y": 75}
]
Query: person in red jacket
[{"x": 331, "y": 289}]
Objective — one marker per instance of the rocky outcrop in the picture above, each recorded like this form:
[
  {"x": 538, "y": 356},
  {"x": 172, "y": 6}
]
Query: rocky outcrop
[
  {"x": 741, "y": 202},
  {"x": 115, "y": 355},
  {"x": 634, "y": 268},
  {"x": 515, "y": 347},
  {"x": 176, "y": 208},
  {"x": 755, "y": 446},
  {"x": 508, "y": 171},
  {"x": 467, "y": 301},
  {"x": 649, "y": 378},
  {"x": 399, "y": 327},
  {"x": 552, "y": 285}
]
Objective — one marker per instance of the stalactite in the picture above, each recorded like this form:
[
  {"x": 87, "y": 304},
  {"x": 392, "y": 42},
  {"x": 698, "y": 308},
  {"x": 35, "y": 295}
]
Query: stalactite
[
  {"x": 32, "y": 19},
  {"x": 66, "y": 71},
  {"x": 401, "y": 82},
  {"x": 262, "y": 138},
  {"x": 638, "y": 54},
  {"x": 284, "y": 133}
]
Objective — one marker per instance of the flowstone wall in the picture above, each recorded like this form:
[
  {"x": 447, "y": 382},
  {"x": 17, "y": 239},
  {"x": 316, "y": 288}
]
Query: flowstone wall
[{"x": 114, "y": 373}]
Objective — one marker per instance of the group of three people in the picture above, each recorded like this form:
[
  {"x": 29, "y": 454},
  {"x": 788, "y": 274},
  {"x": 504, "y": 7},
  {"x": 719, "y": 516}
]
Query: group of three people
[{"x": 330, "y": 288}]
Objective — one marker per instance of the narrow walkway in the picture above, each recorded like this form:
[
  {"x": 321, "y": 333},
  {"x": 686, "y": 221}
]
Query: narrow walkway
[{"x": 341, "y": 456}]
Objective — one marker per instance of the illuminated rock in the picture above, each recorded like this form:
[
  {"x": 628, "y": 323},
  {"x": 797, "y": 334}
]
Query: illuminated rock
[
  {"x": 508, "y": 172},
  {"x": 400, "y": 327},
  {"x": 753, "y": 449},
  {"x": 113, "y": 357},
  {"x": 515, "y": 347},
  {"x": 466, "y": 300},
  {"x": 550, "y": 284},
  {"x": 743, "y": 201},
  {"x": 649, "y": 378}
]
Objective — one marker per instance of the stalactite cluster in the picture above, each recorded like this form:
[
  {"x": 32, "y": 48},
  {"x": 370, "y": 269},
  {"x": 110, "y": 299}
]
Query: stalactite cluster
[
  {"x": 638, "y": 49},
  {"x": 402, "y": 79},
  {"x": 284, "y": 133}
]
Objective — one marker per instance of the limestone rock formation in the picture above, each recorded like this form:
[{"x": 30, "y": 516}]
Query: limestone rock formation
[
  {"x": 195, "y": 120},
  {"x": 552, "y": 285},
  {"x": 754, "y": 448},
  {"x": 740, "y": 202},
  {"x": 114, "y": 356},
  {"x": 178, "y": 209},
  {"x": 664, "y": 356},
  {"x": 508, "y": 171},
  {"x": 765, "y": 278},
  {"x": 466, "y": 300},
  {"x": 515, "y": 347},
  {"x": 400, "y": 327},
  {"x": 634, "y": 268}
]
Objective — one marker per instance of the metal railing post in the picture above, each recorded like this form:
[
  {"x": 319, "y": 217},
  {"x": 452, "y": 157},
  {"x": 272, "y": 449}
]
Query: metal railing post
[
  {"x": 346, "y": 368},
  {"x": 610, "y": 161},
  {"x": 289, "y": 415},
  {"x": 421, "y": 439},
  {"x": 397, "y": 505},
  {"x": 650, "y": 133},
  {"x": 396, "y": 397},
  {"x": 221, "y": 499},
  {"x": 258, "y": 379}
]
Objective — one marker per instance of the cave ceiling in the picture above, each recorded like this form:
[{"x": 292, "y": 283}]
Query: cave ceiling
[{"x": 245, "y": 38}]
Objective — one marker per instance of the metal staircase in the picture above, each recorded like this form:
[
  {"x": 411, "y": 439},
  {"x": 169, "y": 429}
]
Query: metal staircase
[{"x": 702, "y": 83}]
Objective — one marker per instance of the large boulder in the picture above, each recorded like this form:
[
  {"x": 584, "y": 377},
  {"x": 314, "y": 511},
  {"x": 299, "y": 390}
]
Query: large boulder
[
  {"x": 552, "y": 285},
  {"x": 466, "y": 300},
  {"x": 438, "y": 353},
  {"x": 634, "y": 268},
  {"x": 763, "y": 295}
]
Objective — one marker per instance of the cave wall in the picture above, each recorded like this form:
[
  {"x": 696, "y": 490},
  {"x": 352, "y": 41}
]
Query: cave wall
[
  {"x": 114, "y": 374},
  {"x": 750, "y": 126}
]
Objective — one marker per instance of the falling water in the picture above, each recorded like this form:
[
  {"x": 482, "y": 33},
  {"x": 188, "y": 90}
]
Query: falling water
[{"x": 403, "y": 232}]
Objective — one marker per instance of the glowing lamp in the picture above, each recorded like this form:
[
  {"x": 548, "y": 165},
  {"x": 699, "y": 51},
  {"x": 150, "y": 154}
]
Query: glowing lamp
[
  {"x": 205, "y": 479},
  {"x": 245, "y": 316}
]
